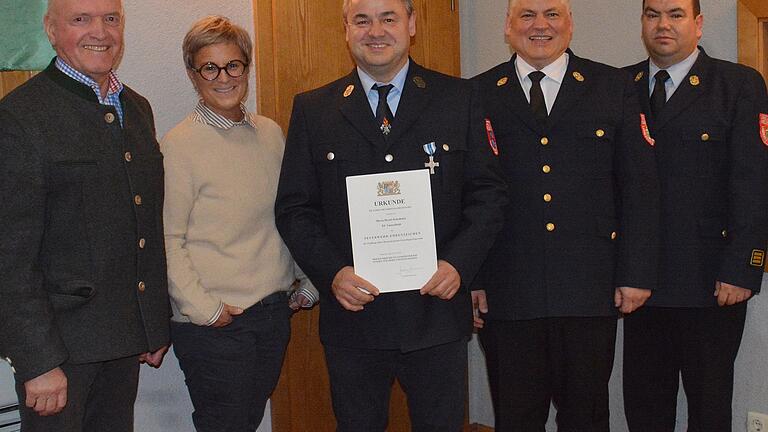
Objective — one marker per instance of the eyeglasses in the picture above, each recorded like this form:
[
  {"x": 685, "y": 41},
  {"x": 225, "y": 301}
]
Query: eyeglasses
[{"x": 210, "y": 71}]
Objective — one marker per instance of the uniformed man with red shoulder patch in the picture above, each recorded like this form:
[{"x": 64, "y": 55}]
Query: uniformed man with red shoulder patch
[
  {"x": 708, "y": 119},
  {"x": 580, "y": 240}
]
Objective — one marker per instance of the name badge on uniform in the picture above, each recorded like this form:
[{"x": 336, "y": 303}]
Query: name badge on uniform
[{"x": 430, "y": 149}]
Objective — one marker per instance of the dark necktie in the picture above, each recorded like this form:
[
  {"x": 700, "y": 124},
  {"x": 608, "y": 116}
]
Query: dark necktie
[
  {"x": 384, "y": 115},
  {"x": 659, "y": 95},
  {"x": 538, "y": 106}
]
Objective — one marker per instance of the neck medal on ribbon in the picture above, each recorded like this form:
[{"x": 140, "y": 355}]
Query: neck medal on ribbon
[{"x": 430, "y": 149}]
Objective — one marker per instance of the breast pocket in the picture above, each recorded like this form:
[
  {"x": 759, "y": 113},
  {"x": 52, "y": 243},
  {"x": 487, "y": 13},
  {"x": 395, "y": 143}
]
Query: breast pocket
[
  {"x": 595, "y": 150},
  {"x": 705, "y": 151},
  {"x": 451, "y": 157},
  {"x": 334, "y": 161}
]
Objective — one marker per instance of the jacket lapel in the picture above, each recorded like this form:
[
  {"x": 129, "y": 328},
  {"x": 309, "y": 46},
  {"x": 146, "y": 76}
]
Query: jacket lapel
[
  {"x": 354, "y": 106},
  {"x": 417, "y": 92},
  {"x": 692, "y": 87},
  {"x": 572, "y": 89},
  {"x": 641, "y": 79},
  {"x": 512, "y": 95}
]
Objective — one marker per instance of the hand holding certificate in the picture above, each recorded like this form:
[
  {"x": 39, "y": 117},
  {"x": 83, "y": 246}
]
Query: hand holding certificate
[{"x": 393, "y": 230}]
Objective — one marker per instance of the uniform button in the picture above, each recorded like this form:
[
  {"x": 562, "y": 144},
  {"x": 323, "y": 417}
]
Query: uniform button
[
  {"x": 137, "y": 200},
  {"x": 550, "y": 227},
  {"x": 109, "y": 117},
  {"x": 330, "y": 156},
  {"x": 547, "y": 197},
  {"x": 128, "y": 156},
  {"x": 705, "y": 137},
  {"x": 389, "y": 158},
  {"x": 724, "y": 233},
  {"x": 544, "y": 141},
  {"x": 446, "y": 147},
  {"x": 614, "y": 234},
  {"x": 142, "y": 286},
  {"x": 600, "y": 133},
  {"x": 142, "y": 243},
  {"x": 546, "y": 169}
]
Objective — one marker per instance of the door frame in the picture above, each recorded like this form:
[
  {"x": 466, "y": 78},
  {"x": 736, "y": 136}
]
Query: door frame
[{"x": 753, "y": 34}]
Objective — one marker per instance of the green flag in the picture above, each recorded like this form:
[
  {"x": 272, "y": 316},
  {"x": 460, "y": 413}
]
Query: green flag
[{"x": 23, "y": 43}]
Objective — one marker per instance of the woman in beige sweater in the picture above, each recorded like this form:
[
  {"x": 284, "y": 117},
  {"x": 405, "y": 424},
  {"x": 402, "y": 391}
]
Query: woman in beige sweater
[{"x": 229, "y": 271}]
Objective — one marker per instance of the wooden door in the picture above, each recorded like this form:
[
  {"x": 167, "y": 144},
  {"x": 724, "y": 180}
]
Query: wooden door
[
  {"x": 753, "y": 35},
  {"x": 300, "y": 46},
  {"x": 12, "y": 79}
]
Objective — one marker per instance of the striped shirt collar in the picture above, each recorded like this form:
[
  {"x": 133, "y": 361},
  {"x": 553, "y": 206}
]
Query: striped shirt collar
[
  {"x": 115, "y": 86},
  {"x": 205, "y": 115}
]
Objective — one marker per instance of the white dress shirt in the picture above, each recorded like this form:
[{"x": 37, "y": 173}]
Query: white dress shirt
[{"x": 550, "y": 84}]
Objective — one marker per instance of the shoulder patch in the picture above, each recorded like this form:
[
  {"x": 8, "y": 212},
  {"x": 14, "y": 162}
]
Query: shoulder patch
[
  {"x": 764, "y": 128},
  {"x": 491, "y": 137},
  {"x": 646, "y": 131}
]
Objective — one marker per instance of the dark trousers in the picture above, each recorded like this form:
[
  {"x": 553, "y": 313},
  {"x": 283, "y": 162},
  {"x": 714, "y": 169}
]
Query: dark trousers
[
  {"x": 532, "y": 363},
  {"x": 231, "y": 371},
  {"x": 663, "y": 344},
  {"x": 434, "y": 381},
  {"x": 100, "y": 397}
]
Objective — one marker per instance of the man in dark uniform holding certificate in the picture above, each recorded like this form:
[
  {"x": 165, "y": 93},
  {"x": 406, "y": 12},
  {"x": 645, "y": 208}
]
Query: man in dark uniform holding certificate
[
  {"x": 580, "y": 237},
  {"x": 383, "y": 117},
  {"x": 709, "y": 120}
]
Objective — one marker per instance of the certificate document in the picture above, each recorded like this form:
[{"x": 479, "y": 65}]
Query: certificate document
[{"x": 393, "y": 229}]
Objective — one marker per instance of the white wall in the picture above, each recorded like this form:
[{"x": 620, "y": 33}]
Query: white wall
[
  {"x": 153, "y": 63},
  {"x": 609, "y": 31}
]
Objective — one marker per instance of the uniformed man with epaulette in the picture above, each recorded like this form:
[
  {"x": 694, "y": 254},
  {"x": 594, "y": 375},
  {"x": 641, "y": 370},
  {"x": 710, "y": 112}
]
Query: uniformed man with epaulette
[
  {"x": 709, "y": 120},
  {"x": 390, "y": 114},
  {"x": 580, "y": 239}
]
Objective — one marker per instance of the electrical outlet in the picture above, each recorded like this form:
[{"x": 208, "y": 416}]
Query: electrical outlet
[{"x": 757, "y": 422}]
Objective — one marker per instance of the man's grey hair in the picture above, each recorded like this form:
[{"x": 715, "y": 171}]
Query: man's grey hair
[
  {"x": 512, "y": 3},
  {"x": 407, "y": 3},
  {"x": 53, "y": 3}
]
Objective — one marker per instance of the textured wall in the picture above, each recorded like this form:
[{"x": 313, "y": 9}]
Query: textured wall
[{"x": 609, "y": 31}]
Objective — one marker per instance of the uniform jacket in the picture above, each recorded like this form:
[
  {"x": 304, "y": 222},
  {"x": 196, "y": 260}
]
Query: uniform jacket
[
  {"x": 82, "y": 261},
  {"x": 713, "y": 170},
  {"x": 332, "y": 136},
  {"x": 583, "y": 213}
]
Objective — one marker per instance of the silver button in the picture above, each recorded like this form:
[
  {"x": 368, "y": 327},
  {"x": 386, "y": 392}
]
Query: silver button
[
  {"x": 389, "y": 158},
  {"x": 446, "y": 147},
  {"x": 330, "y": 156},
  {"x": 142, "y": 243}
]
